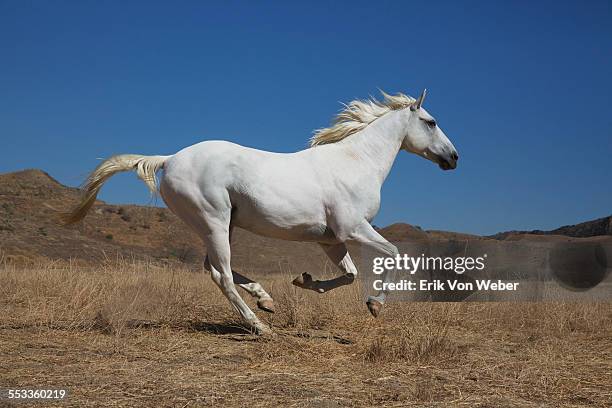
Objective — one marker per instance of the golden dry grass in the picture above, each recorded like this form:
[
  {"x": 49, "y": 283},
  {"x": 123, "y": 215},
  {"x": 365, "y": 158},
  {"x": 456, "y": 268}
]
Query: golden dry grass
[{"x": 137, "y": 334}]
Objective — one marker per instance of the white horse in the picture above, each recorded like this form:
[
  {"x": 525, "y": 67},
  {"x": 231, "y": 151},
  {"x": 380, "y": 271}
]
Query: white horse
[{"x": 327, "y": 193}]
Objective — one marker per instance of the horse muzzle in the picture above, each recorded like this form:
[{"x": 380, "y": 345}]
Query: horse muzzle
[{"x": 448, "y": 162}]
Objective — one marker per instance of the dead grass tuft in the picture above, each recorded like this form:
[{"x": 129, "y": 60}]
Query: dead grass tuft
[{"x": 418, "y": 340}]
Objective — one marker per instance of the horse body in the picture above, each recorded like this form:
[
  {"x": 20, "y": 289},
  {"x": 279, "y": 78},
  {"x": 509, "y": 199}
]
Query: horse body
[
  {"x": 222, "y": 177},
  {"x": 328, "y": 193},
  {"x": 294, "y": 196}
]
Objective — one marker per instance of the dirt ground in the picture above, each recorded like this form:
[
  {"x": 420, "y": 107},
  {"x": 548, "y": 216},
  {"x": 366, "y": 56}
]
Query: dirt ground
[{"x": 136, "y": 334}]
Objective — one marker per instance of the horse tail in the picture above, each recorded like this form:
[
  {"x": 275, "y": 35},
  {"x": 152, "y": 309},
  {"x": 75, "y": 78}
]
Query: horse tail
[{"x": 145, "y": 166}]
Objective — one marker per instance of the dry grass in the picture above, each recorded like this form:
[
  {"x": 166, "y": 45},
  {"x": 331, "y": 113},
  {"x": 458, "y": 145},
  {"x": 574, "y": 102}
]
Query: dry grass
[{"x": 142, "y": 335}]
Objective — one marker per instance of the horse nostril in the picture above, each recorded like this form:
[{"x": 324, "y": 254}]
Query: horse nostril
[{"x": 455, "y": 156}]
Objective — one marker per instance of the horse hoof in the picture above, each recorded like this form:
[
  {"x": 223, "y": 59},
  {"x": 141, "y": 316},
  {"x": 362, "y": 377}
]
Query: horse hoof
[
  {"x": 267, "y": 305},
  {"x": 261, "y": 329},
  {"x": 374, "y": 306},
  {"x": 303, "y": 280}
]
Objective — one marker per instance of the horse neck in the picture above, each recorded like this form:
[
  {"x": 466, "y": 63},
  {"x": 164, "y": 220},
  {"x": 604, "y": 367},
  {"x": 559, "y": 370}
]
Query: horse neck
[{"x": 378, "y": 144}]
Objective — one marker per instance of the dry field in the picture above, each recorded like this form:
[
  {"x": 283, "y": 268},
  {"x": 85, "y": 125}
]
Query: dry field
[{"x": 137, "y": 334}]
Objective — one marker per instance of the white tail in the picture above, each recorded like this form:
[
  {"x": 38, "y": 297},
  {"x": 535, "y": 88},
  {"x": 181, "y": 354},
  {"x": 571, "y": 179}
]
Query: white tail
[{"x": 145, "y": 166}]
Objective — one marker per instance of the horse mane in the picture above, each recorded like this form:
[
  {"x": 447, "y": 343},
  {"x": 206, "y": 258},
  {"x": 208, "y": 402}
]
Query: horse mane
[{"x": 357, "y": 115}]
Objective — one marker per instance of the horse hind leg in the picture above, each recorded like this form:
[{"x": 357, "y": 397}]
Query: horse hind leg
[
  {"x": 215, "y": 233},
  {"x": 218, "y": 258},
  {"x": 264, "y": 300},
  {"x": 211, "y": 221}
]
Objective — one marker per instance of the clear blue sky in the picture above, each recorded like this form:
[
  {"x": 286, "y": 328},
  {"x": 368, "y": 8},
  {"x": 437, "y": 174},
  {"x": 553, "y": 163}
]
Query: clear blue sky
[{"x": 523, "y": 89}]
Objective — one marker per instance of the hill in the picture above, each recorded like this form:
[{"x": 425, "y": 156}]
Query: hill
[{"x": 598, "y": 227}]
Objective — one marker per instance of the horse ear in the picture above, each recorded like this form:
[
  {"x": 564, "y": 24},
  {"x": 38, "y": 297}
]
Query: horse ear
[{"x": 419, "y": 102}]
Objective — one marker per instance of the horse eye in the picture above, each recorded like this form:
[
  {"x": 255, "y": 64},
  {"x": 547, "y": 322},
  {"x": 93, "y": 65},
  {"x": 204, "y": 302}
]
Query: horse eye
[{"x": 431, "y": 123}]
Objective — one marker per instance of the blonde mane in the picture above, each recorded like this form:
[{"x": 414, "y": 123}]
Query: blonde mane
[{"x": 357, "y": 115}]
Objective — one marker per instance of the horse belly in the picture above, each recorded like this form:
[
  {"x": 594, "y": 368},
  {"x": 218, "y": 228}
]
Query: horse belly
[{"x": 290, "y": 225}]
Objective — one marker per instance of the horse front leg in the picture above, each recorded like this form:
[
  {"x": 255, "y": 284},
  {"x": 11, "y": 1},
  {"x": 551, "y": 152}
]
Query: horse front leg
[
  {"x": 367, "y": 236},
  {"x": 339, "y": 255}
]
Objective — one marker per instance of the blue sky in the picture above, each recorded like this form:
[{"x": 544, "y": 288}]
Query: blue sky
[{"x": 523, "y": 89}]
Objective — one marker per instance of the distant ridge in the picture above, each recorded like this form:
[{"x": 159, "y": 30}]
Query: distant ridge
[{"x": 598, "y": 227}]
